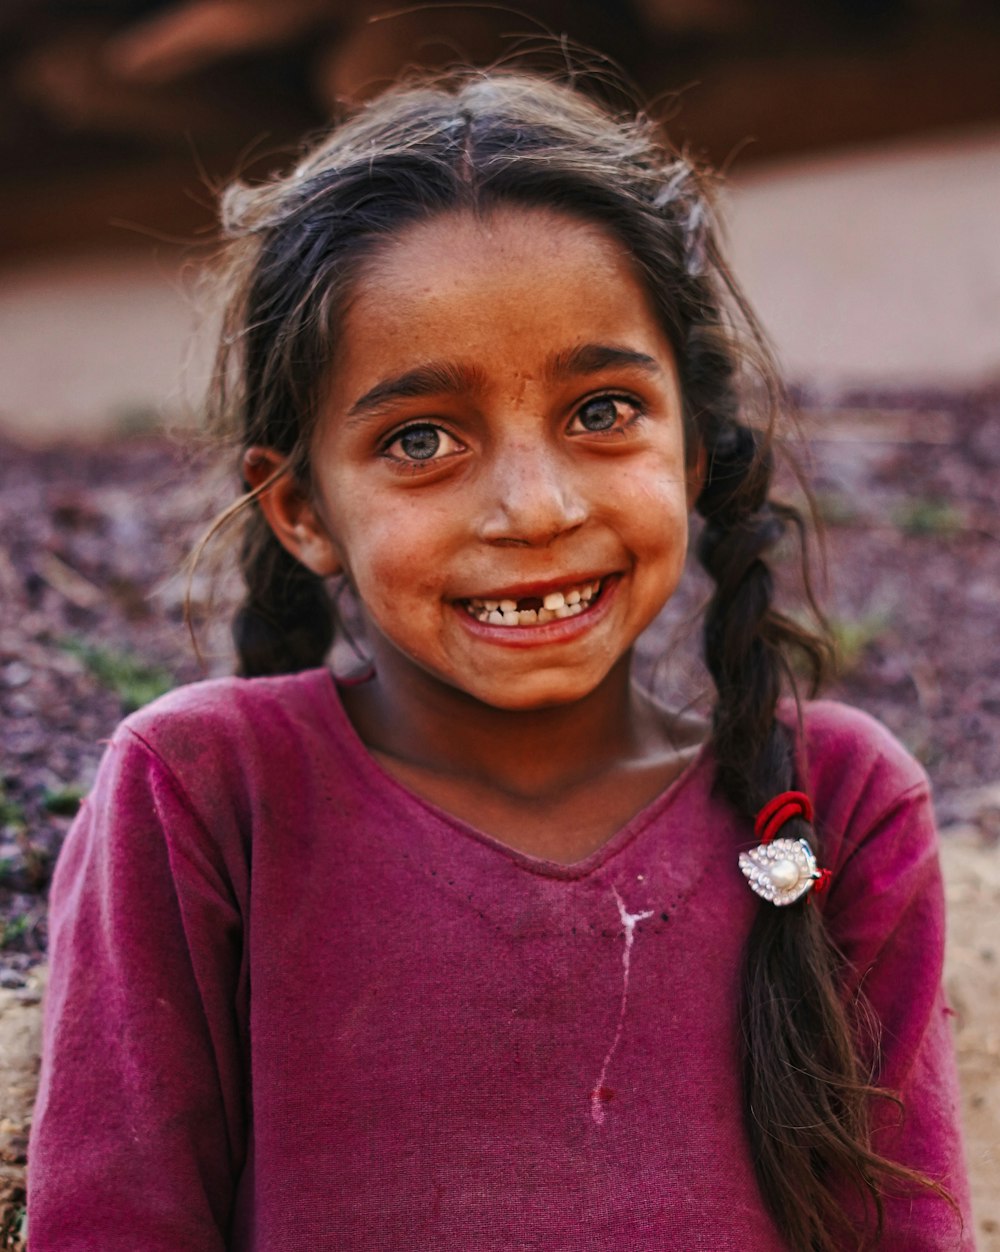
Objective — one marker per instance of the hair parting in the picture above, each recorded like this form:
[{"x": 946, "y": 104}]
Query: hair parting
[{"x": 471, "y": 142}]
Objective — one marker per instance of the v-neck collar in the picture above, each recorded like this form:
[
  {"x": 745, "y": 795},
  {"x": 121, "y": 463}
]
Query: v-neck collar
[{"x": 386, "y": 783}]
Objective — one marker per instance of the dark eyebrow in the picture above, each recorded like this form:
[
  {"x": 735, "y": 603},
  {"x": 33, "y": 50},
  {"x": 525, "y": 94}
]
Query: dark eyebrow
[
  {"x": 591, "y": 358},
  {"x": 435, "y": 379},
  {"x": 445, "y": 378}
]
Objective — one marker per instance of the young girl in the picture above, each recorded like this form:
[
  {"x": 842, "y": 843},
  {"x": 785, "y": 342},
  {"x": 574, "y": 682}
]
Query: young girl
[{"x": 482, "y": 948}]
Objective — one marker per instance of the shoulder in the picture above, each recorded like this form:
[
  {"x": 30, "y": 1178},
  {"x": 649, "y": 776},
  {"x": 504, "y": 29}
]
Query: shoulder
[
  {"x": 843, "y": 743},
  {"x": 229, "y": 711},
  {"x": 865, "y": 786},
  {"x": 210, "y": 766},
  {"x": 236, "y": 737}
]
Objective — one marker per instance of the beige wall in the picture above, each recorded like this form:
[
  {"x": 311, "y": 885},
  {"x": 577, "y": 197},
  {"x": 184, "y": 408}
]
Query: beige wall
[{"x": 880, "y": 267}]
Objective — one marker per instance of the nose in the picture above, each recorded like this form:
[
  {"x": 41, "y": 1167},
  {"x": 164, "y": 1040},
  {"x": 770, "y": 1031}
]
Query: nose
[{"x": 530, "y": 496}]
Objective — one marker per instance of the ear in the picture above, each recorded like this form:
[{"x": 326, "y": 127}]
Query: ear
[
  {"x": 696, "y": 470},
  {"x": 289, "y": 511}
]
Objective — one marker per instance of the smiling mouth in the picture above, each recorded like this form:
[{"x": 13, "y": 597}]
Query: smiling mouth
[{"x": 569, "y": 601}]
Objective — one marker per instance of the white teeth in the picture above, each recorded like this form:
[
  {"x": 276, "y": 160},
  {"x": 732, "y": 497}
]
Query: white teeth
[{"x": 556, "y": 606}]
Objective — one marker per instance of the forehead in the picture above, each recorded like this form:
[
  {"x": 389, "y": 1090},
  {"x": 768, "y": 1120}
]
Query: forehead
[
  {"x": 507, "y": 232},
  {"x": 511, "y": 287}
]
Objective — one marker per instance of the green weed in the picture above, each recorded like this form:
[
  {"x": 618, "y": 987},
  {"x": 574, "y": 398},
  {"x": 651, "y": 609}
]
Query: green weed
[
  {"x": 14, "y": 1221},
  {"x": 11, "y": 812},
  {"x": 14, "y": 929},
  {"x": 852, "y": 637},
  {"x": 928, "y": 516},
  {"x": 132, "y": 679},
  {"x": 64, "y": 801}
]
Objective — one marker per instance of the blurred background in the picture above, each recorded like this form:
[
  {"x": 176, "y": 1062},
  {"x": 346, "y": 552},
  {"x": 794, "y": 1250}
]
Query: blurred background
[
  {"x": 861, "y": 137},
  {"x": 861, "y": 143}
]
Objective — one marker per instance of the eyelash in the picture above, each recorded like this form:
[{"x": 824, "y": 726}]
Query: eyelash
[{"x": 416, "y": 464}]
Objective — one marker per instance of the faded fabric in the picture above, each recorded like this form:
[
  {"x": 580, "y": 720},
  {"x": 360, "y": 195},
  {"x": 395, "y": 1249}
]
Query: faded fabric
[{"x": 294, "y": 1006}]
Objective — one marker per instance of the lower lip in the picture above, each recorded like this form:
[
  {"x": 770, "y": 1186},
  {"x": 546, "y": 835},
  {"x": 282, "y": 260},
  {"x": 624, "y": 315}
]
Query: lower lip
[{"x": 547, "y": 632}]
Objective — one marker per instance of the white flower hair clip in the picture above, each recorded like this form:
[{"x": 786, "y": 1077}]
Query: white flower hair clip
[{"x": 781, "y": 871}]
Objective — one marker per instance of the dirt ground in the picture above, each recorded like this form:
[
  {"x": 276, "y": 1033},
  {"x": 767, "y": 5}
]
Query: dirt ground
[{"x": 91, "y": 626}]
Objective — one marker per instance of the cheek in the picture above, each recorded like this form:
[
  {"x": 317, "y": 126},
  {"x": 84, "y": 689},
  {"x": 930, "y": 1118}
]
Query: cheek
[
  {"x": 657, "y": 536},
  {"x": 654, "y": 499},
  {"x": 392, "y": 557}
]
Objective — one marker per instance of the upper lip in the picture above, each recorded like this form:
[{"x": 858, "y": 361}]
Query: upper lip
[{"x": 523, "y": 591}]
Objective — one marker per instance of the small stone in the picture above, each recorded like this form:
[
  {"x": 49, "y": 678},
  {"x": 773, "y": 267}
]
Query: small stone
[{"x": 16, "y": 674}]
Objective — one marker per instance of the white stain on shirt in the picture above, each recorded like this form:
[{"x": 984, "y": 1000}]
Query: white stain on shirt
[{"x": 629, "y": 922}]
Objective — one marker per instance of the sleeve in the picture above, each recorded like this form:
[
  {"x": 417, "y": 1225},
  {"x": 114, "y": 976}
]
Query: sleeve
[
  {"x": 138, "y": 1134},
  {"x": 886, "y": 914}
]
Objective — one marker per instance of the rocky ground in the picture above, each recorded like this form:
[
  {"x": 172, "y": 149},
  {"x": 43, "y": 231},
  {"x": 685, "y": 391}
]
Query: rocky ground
[{"x": 91, "y": 609}]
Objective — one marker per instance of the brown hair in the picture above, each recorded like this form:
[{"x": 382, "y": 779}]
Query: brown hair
[{"x": 471, "y": 142}]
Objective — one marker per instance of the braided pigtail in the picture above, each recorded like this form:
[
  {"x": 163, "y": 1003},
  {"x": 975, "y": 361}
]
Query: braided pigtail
[{"x": 806, "y": 1095}]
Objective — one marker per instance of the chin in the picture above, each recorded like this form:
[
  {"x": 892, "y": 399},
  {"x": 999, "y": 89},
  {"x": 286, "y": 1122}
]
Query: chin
[{"x": 527, "y": 696}]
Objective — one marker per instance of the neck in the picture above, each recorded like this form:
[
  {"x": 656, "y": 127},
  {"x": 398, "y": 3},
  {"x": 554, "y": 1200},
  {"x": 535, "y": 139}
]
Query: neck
[{"x": 527, "y": 754}]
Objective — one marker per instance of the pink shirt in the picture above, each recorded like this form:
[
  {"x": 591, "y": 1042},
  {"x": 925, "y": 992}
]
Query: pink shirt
[{"x": 294, "y": 1006}]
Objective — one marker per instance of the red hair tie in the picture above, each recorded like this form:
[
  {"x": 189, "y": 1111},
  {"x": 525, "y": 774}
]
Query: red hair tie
[
  {"x": 783, "y": 870},
  {"x": 781, "y": 809}
]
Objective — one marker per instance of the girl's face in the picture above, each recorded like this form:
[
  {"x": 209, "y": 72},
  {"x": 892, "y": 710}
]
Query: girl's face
[{"x": 499, "y": 466}]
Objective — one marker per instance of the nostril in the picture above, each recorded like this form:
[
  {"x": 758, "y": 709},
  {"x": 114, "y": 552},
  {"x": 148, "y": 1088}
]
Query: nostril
[{"x": 537, "y": 518}]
